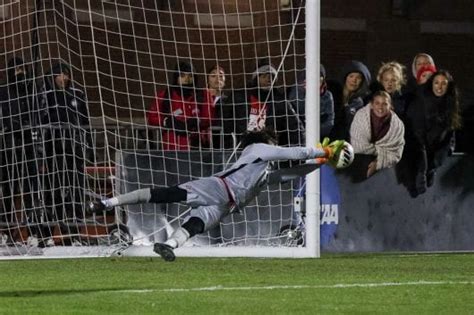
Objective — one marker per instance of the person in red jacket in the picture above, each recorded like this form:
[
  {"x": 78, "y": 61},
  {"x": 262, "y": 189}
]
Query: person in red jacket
[
  {"x": 176, "y": 111},
  {"x": 210, "y": 106}
]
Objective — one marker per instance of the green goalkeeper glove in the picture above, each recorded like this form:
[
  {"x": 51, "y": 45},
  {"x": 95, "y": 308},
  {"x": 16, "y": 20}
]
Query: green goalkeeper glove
[
  {"x": 336, "y": 146},
  {"x": 333, "y": 150}
]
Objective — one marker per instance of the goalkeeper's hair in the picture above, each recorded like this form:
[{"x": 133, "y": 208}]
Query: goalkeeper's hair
[{"x": 266, "y": 135}]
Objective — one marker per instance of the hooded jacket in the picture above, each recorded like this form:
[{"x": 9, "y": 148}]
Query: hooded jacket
[
  {"x": 175, "y": 109},
  {"x": 344, "y": 112},
  {"x": 64, "y": 105}
]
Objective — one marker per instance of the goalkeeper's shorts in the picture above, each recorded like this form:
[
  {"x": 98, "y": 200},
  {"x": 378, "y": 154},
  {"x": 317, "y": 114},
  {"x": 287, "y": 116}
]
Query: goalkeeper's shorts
[{"x": 206, "y": 191}]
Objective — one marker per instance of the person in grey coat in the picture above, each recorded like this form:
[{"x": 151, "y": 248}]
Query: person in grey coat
[{"x": 297, "y": 99}]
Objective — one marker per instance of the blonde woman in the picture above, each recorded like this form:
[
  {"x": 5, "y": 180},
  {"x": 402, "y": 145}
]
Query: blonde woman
[{"x": 391, "y": 79}]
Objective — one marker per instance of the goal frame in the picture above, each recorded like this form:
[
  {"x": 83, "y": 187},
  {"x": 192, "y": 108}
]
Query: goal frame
[{"x": 312, "y": 247}]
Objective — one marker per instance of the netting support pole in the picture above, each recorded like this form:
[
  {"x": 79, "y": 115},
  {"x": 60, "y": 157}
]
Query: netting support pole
[{"x": 312, "y": 51}]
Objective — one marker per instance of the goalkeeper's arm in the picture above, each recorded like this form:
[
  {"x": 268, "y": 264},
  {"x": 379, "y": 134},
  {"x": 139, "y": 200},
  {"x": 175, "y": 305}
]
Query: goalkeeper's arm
[
  {"x": 267, "y": 152},
  {"x": 332, "y": 152}
]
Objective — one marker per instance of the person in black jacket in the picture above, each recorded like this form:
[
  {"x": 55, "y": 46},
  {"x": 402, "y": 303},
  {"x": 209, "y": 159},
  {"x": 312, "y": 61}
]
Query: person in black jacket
[
  {"x": 261, "y": 104},
  {"x": 65, "y": 136},
  {"x": 430, "y": 123},
  {"x": 19, "y": 169},
  {"x": 349, "y": 95}
]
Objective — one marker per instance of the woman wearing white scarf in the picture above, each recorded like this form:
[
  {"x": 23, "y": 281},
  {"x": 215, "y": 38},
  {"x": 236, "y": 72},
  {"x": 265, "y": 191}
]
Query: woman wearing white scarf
[{"x": 378, "y": 133}]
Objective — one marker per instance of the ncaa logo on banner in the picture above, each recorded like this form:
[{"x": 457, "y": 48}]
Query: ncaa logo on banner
[{"x": 330, "y": 201}]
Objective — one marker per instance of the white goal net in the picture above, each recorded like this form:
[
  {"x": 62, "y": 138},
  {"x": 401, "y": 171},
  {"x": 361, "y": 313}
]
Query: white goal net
[{"x": 103, "y": 97}]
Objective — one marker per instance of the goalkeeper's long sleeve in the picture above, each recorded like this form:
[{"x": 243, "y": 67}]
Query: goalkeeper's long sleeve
[{"x": 247, "y": 177}]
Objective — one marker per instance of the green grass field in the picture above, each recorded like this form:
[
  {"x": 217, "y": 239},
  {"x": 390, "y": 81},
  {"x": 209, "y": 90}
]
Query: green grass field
[{"x": 369, "y": 283}]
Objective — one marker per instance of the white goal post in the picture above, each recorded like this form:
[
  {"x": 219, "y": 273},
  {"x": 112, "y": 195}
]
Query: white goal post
[{"x": 93, "y": 104}]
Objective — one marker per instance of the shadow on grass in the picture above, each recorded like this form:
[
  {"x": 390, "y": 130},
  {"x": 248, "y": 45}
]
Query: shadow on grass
[{"x": 64, "y": 292}]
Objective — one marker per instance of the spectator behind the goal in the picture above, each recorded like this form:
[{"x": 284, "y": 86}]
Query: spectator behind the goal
[
  {"x": 349, "y": 95},
  {"x": 19, "y": 167},
  {"x": 377, "y": 136},
  {"x": 432, "y": 118},
  {"x": 65, "y": 135},
  {"x": 297, "y": 99},
  {"x": 420, "y": 60},
  {"x": 175, "y": 109},
  {"x": 391, "y": 79},
  {"x": 261, "y": 104},
  {"x": 424, "y": 74},
  {"x": 210, "y": 103}
]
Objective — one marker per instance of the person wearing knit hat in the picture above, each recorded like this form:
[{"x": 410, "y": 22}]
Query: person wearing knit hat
[
  {"x": 420, "y": 60},
  {"x": 264, "y": 75},
  {"x": 264, "y": 69},
  {"x": 268, "y": 107},
  {"x": 424, "y": 73},
  {"x": 176, "y": 109}
]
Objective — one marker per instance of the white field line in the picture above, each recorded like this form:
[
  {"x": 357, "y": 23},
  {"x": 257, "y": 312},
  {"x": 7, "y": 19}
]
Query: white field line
[{"x": 292, "y": 287}]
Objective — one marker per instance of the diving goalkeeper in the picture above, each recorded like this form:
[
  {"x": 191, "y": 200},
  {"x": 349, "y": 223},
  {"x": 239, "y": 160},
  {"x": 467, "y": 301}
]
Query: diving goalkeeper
[{"x": 213, "y": 197}]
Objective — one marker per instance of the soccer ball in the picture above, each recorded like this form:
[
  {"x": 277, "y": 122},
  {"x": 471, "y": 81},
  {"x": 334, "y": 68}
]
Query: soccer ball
[{"x": 346, "y": 156}]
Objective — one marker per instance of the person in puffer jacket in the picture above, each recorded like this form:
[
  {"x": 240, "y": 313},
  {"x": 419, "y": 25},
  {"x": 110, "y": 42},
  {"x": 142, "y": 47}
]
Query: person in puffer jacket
[{"x": 65, "y": 133}]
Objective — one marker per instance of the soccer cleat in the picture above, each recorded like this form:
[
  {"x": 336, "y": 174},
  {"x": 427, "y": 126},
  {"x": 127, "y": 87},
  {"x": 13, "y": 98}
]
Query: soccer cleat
[
  {"x": 165, "y": 251},
  {"x": 97, "y": 206}
]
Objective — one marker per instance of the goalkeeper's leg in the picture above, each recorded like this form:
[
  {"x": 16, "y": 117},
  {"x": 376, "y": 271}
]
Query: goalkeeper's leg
[
  {"x": 192, "y": 227},
  {"x": 145, "y": 195},
  {"x": 201, "y": 192}
]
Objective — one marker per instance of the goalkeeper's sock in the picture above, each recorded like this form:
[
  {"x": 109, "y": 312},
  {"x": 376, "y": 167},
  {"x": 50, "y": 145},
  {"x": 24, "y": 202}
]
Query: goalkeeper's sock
[
  {"x": 133, "y": 197},
  {"x": 110, "y": 203},
  {"x": 178, "y": 238}
]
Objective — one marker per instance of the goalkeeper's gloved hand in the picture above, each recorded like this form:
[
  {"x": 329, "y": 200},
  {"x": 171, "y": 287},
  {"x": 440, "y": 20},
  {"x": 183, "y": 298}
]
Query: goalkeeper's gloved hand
[
  {"x": 324, "y": 145},
  {"x": 333, "y": 151}
]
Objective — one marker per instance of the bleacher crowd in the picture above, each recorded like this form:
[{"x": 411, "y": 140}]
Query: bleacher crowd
[{"x": 398, "y": 119}]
